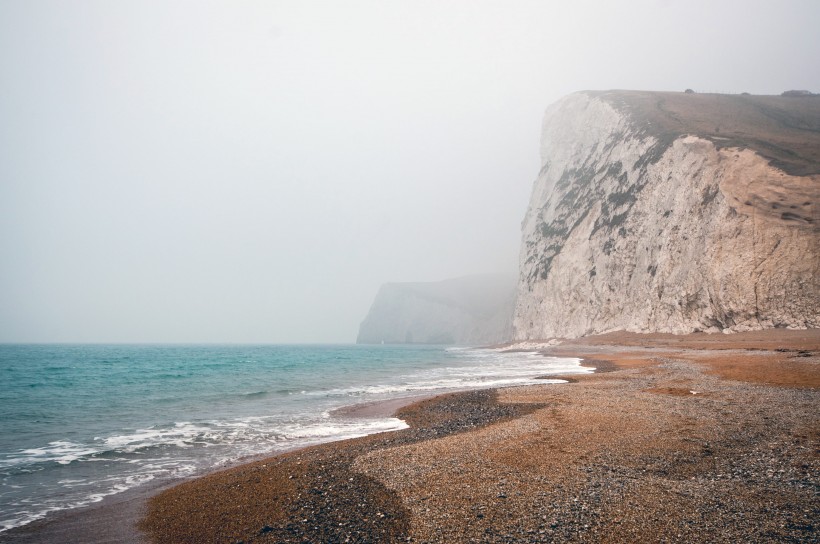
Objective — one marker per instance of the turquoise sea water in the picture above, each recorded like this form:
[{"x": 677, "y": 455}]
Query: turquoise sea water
[{"x": 81, "y": 422}]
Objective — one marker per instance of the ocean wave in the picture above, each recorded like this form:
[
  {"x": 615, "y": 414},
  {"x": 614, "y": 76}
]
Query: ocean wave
[
  {"x": 258, "y": 431},
  {"x": 506, "y": 369},
  {"x": 240, "y": 438},
  {"x": 254, "y": 394},
  {"x": 183, "y": 434},
  {"x": 25, "y": 511},
  {"x": 61, "y": 452},
  {"x": 205, "y": 428}
]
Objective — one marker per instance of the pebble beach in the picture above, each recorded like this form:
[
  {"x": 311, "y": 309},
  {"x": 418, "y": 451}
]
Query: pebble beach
[{"x": 698, "y": 438}]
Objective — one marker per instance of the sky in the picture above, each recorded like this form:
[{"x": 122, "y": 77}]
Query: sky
[{"x": 245, "y": 171}]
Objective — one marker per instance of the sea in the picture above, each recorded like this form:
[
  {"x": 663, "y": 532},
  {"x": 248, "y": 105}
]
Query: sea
[{"x": 79, "y": 423}]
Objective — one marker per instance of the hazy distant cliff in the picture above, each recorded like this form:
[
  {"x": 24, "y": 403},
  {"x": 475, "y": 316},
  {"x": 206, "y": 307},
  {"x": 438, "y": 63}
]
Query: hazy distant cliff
[
  {"x": 468, "y": 310},
  {"x": 673, "y": 212}
]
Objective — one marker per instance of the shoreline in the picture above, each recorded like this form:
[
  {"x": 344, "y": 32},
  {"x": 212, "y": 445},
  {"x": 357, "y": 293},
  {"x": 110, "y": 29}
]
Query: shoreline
[
  {"x": 663, "y": 369},
  {"x": 380, "y": 408},
  {"x": 114, "y": 517}
]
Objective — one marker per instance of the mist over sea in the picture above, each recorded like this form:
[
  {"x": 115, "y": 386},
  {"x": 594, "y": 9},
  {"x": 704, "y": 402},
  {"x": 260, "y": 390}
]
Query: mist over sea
[{"x": 82, "y": 422}]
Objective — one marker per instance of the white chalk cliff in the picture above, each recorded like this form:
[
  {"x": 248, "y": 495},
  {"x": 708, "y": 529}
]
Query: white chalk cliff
[
  {"x": 672, "y": 212},
  {"x": 468, "y": 310}
]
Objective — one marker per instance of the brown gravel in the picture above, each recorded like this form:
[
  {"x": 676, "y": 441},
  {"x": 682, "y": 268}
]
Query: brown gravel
[
  {"x": 685, "y": 439},
  {"x": 314, "y": 495}
]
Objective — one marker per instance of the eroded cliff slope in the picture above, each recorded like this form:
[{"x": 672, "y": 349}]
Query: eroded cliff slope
[
  {"x": 468, "y": 310},
  {"x": 672, "y": 212}
]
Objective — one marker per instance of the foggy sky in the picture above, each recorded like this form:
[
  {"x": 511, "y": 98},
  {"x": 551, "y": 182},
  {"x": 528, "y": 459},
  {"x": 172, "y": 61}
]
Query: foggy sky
[{"x": 253, "y": 171}]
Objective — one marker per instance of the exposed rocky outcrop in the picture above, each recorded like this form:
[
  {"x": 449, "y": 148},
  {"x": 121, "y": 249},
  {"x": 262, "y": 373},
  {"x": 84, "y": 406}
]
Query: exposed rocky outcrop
[
  {"x": 468, "y": 310},
  {"x": 673, "y": 212}
]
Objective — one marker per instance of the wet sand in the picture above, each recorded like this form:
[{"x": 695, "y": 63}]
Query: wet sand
[
  {"x": 697, "y": 438},
  {"x": 384, "y": 408},
  {"x": 113, "y": 520}
]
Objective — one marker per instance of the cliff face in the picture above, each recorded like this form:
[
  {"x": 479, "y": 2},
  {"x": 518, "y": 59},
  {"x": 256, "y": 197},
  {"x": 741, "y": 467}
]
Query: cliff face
[
  {"x": 672, "y": 212},
  {"x": 469, "y": 310}
]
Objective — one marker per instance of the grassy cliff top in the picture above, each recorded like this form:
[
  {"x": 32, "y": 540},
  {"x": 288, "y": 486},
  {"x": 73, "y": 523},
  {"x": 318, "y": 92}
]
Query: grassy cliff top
[{"x": 783, "y": 129}]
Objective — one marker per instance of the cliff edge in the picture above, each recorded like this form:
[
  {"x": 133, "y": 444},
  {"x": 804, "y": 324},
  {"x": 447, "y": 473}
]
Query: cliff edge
[{"x": 672, "y": 212}]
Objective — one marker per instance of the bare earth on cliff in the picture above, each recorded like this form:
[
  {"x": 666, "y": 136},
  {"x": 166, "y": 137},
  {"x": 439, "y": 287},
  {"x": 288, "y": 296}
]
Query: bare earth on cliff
[{"x": 784, "y": 130}]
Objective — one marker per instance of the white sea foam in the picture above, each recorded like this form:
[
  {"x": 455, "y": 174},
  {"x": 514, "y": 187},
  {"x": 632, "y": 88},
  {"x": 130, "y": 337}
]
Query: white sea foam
[
  {"x": 58, "y": 451},
  {"x": 108, "y": 464},
  {"x": 495, "y": 369},
  {"x": 183, "y": 434},
  {"x": 344, "y": 428}
]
